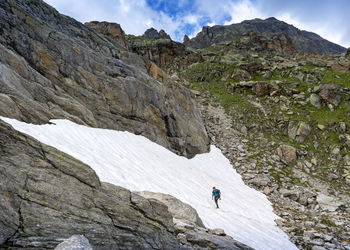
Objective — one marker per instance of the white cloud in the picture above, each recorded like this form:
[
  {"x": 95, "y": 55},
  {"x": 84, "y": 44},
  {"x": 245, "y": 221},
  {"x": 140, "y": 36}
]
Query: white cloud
[
  {"x": 191, "y": 19},
  {"x": 135, "y": 16},
  {"x": 243, "y": 10}
]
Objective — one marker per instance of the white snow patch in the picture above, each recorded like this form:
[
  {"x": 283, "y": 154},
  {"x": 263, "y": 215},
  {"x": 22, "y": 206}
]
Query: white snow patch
[{"x": 136, "y": 163}]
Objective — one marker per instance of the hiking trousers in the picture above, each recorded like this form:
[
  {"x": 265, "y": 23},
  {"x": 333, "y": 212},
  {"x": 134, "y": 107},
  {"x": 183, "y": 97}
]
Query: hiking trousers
[{"x": 216, "y": 198}]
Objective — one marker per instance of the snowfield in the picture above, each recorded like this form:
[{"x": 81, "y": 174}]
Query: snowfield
[{"x": 136, "y": 163}]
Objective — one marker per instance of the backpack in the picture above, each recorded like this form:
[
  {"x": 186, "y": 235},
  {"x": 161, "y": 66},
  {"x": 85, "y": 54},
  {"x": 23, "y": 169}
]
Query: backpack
[{"x": 216, "y": 193}]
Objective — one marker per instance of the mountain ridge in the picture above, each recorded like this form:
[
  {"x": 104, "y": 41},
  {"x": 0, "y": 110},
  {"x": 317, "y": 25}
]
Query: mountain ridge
[{"x": 305, "y": 41}]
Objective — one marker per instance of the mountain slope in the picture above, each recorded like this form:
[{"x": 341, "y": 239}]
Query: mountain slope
[
  {"x": 55, "y": 67},
  {"x": 286, "y": 129},
  {"x": 304, "y": 41},
  {"x": 136, "y": 163}
]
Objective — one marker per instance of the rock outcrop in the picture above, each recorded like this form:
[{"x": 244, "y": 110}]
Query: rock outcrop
[
  {"x": 55, "y": 67},
  {"x": 47, "y": 196},
  {"x": 280, "y": 43},
  {"x": 303, "y": 40},
  {"x": 76, "y": 242},
  {"x": 329, "y": 93},
  {"x": 180, "y": 211},
  {"x": 152, "y": 33},
  {"x": 189, "y": 228},
  {"x": 287, "y": 153},
  {"x": 111, "y": 30},
  {"x": 165, "y": 53}
]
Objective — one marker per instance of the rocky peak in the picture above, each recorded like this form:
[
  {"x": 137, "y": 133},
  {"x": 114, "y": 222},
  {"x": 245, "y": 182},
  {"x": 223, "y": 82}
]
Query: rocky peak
[
  {"x": 152, "y": 33},
  {"x": 186, "y": 40},
  {"x": 304, "y": 41},
  {"x": 110, "y": 30}
]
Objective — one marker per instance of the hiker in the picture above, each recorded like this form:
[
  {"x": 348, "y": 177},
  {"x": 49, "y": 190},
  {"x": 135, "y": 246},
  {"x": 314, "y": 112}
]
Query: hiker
[{"x": 216, "y": 194}]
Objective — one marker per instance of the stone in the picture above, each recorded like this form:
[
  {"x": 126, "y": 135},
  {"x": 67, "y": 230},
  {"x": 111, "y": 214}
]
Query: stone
[
  {"x": 329, "y": 92},
  {"x": 206, "y": 240},
  {"x": 217, "y": 231},
  {"x": 317, "y": 242},
  {"x": 293, "y": 194},
  {"x": 315, "y": 100},
  {"x": 241, "y": 75},
  {"x": 331, "y": 107},
  {"x": 298, "y": 131},
  {"x": 328, "y": 203},
  {"x": 244, "y": 130},
  {"x": 342, "y": 126},
  {"x": 261, "y": 88},
  {"x": 335, "y": 150},
  {"x": 180, "y": 210},
  {"x": 268, "y": 74},
  {"x": 75, "y": 242},
  {"x": 321, "y": 126},
  {"x": 318, "y": 247},
  {"x": 345, "y": 138},
  {"x": 287, "y": 153},
  {"x": 260, "y": 181}
]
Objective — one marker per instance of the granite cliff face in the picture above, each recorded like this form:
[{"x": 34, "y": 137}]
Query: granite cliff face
[
  {"x": 304, "y": 41},
  {"x": 55, "y": 67}
]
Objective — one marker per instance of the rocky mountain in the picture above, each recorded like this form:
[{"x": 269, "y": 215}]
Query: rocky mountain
[
  {"x": 279, "y": 113},
  {"x": 282, "y": 118},
  {"x": 56, "y": 67},
  {"x": 152, "y": 33},
  {"x": 304, "y": 41}
]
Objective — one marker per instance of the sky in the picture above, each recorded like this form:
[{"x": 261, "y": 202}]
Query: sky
[{"x": 328, "y": 18}]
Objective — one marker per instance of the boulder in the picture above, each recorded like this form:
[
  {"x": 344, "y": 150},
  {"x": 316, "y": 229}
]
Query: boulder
[
  {"x": 204, "y": 240},
  {"x": 345, "y": 138},
  {"x": 180, "y": 210},
  {"x": 329, "y": 203},
  {"x": 241, "y": 75},
  {"x": 298, "y": 131},
  {"x": 293, "y": 194},
  {"x": 287, "y": 153},
  {"x": 315, "y": 100},
  {"x": 329, "y": 93},
  {"x": 261, "y": 88},
  {"x": 75, "y": 242}
]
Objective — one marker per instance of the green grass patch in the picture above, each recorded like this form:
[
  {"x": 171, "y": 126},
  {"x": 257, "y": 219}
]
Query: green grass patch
[{"x": 342, "y": 79}]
